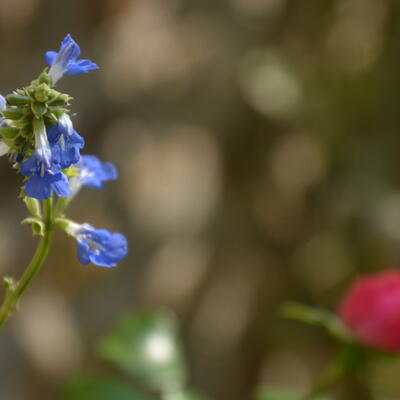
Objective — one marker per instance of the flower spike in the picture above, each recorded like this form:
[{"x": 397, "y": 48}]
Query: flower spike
[{"x": 38, "y": 135}]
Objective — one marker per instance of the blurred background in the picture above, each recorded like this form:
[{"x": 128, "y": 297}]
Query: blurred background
[{"x": 258, "y": 148}]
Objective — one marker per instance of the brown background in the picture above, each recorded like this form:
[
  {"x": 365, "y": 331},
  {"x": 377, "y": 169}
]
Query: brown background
[{"x": 258, "y": 148}]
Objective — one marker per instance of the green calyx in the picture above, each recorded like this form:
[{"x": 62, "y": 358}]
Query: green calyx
[{"x": 39, "y": 100}]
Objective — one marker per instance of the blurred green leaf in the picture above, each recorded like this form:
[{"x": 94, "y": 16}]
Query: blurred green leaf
[
  {"x": 185, "y": 395},
  {"x": 146, "y": 347},
  {"x": 317, "y": 317},
  {"x": 100, "y": 389},
  {"x": 277, "y": 394}
]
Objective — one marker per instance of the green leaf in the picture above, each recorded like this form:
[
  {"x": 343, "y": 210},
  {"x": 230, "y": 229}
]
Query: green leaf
[
  {"x": 185, "y": 395},
  {"x": 100, "y": 389},
  {"x": 317, "y": 317},
  {"x": 146, "y": 347},
  {"x": 33, "y": 205},
  {"x": 36, "y": 224},
  {"x": 279, "y": 394}
]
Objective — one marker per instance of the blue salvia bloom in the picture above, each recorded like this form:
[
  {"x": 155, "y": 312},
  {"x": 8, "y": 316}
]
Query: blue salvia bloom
[
  {"x": 99, "y": 246},
  {"x": 44, "y": 172},
  {"x": 92, "y": 173},
  {"x": 3, "y": 147},
  {"x": 64, "y": 62},
  {"x": 65, "y": 142}
]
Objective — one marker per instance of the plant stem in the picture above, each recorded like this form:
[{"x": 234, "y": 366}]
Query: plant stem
[
  {"x": 349, "y": 359},
  {"x": 15, "y": 291}
]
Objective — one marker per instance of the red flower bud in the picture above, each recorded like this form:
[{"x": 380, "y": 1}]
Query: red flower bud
[{"x": 371, "y": 310}]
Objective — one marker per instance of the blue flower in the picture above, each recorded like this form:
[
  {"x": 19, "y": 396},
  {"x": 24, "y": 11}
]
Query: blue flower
[
  {"x": 65, "y": 142},
  {"x": 41, "y": 186},
  {"x": 99, "y": 246},
  {"x": 65, "y": 61},
  {"x": 43, "y": 170},
  {"x": 92, "y": 173},
  {"x": 43, "y": 181}
]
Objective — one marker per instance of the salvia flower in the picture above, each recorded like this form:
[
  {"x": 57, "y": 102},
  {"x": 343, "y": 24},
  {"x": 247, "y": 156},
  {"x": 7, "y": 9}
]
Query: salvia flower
[
  {"x": 44, "y": 181},
  {"x": 65, "y": 142},
  {"x": 44, "y": 172},
  {"x": 99, "y": 246},
  {"x": 92, "y": 173},
  {"x": 64, "y": 62},
  {"x": 371, "y": 310}
]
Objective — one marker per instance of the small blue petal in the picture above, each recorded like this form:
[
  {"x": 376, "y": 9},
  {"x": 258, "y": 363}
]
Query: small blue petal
[
  {"x": 38, "y": 187},
  {"x": 49, "y": 57},
  {"x": 83, "y": 252},
  {"x": 60, "y": 185},
  {"x": 53, "y": 133},
  {"x": 71, "y": 47},
  {"x": 3, "y": 103},
  {"x": 81, "y": 67}
]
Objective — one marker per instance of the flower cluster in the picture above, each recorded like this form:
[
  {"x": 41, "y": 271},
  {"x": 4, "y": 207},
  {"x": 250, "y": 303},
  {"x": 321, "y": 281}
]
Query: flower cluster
[{"x": 37, "y": 133}]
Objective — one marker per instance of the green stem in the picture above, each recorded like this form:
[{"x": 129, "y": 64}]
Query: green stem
[
  {"x": 15, "y": 291},
  {"x": 347, "y": 362}
]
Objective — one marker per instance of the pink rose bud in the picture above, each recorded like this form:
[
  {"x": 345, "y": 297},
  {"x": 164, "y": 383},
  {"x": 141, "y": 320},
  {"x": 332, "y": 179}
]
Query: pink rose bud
[{"x": 371, "y": 310}]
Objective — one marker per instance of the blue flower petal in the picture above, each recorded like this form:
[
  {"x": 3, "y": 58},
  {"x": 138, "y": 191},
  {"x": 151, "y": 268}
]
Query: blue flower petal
[
  {"x": 81, "y": 67},
  {"x": 3, "y": 102},
  {"x": 53, "y": 133},
  {"x": 60, "y": 185},
  {"x": 83, "y": 252},
  {"x": 50, "y": 56},
  {"x": 38, "y": 187}
]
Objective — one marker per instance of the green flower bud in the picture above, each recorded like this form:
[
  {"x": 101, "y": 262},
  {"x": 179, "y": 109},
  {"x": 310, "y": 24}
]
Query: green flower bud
[
  {"x": 45, "y": 78},
  {"x": 9, "y": 132},
  {"x": 58, "y": 112},
  {"x": 26, "y": 131},
  {"x": 12, "y": 113},
  {"x": 39, "y": 109},
  {"x": 60, "y": 100},
  {"x": 16, "y": 99},
  {"x": 42, "y": 93},
  {"x": 31, "y": 90},
  {"x": 33, "y": 206}
]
